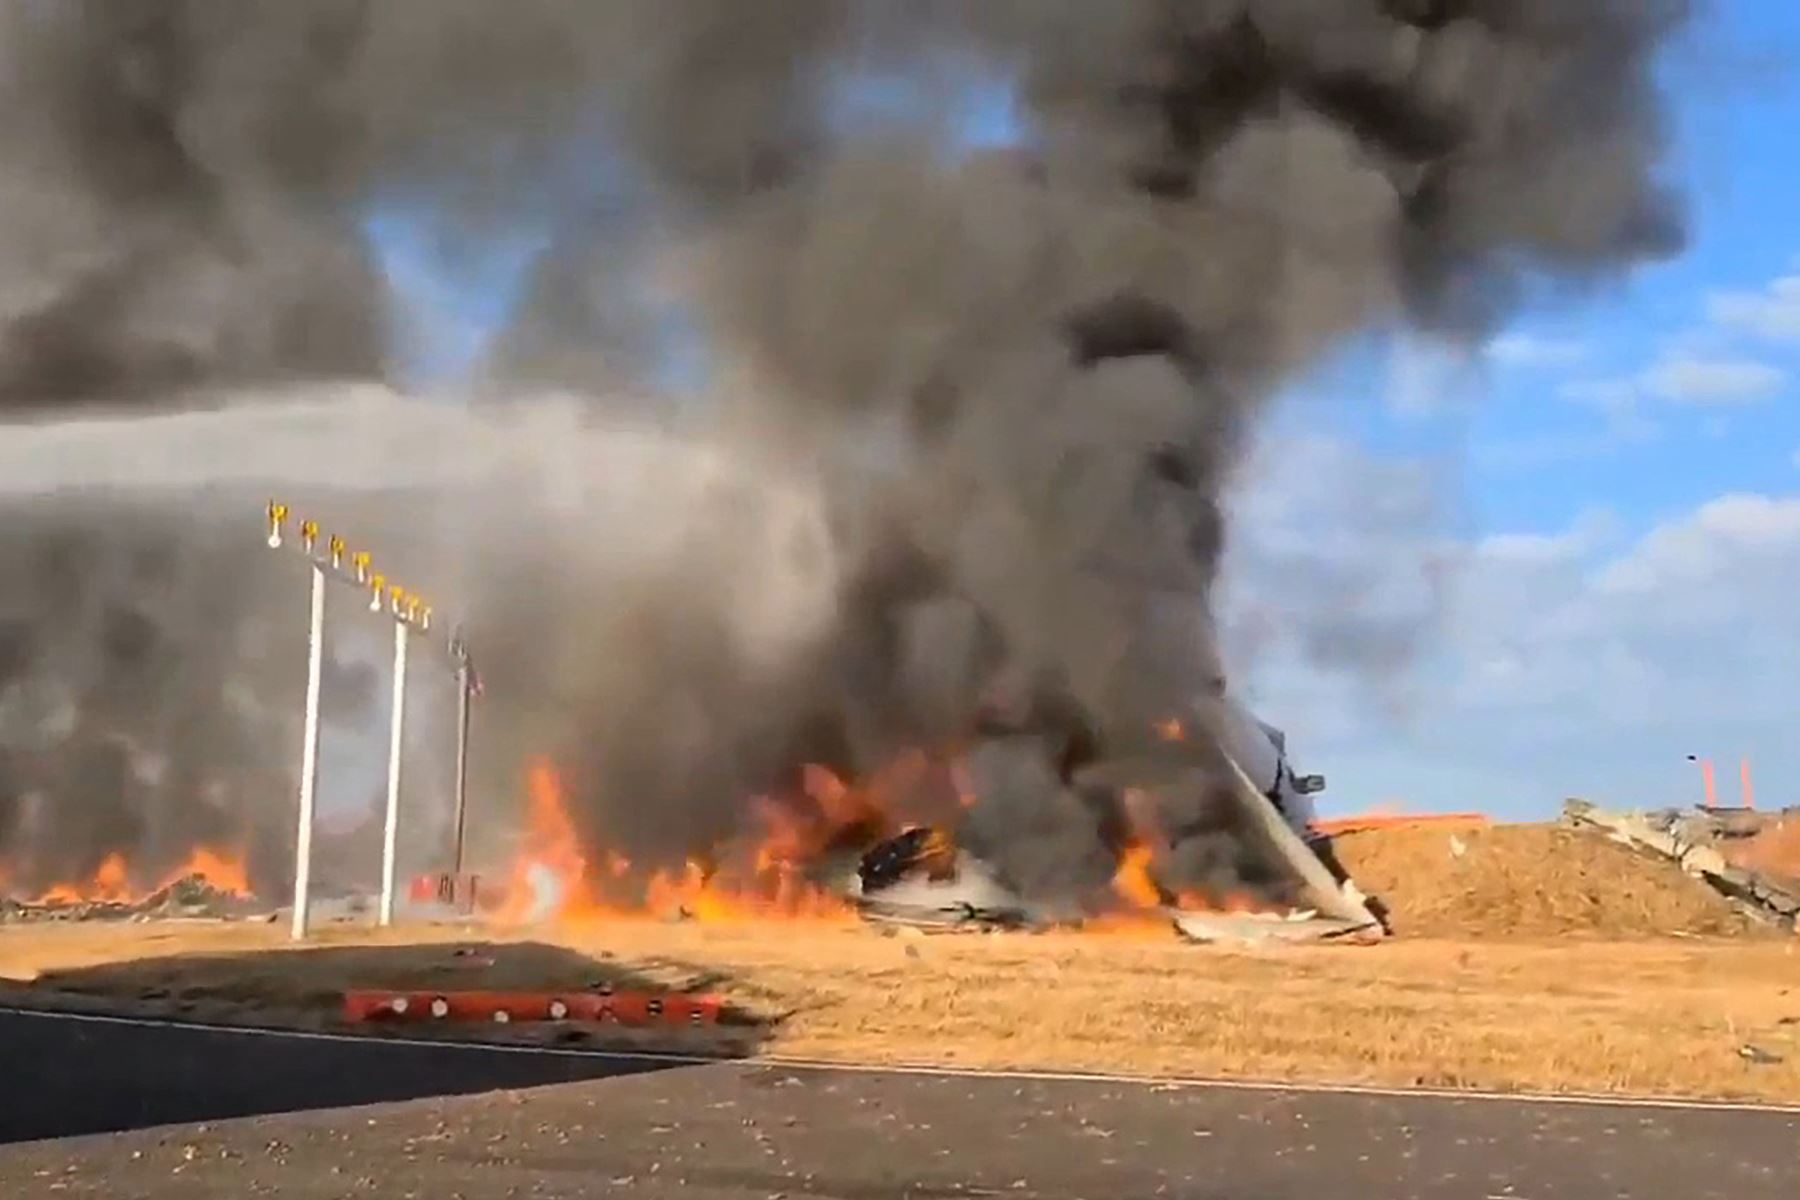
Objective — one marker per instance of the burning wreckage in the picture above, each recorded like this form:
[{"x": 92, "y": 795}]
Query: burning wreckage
[
  {"x": 209, "y": 885},
  {"x": 1062, "y": 350},
  {"x": 848, "y": 859},
  {"x": 924, "y": 879},
  {"x": 930, "y": 842}
]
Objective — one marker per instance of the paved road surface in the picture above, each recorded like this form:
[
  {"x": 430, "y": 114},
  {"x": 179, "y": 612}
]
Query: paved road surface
[
  {"x": 750, "y": 1132},
  {"x": 98, "y": 1076}
]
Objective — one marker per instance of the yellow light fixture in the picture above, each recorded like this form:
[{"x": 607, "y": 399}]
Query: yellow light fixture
[{"x": 277, "y": 517}]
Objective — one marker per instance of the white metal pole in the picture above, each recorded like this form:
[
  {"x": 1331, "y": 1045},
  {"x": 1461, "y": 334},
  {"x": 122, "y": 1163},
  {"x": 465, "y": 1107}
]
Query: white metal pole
[
  {"x": 309, "y": 753},
  {"x": 462, "y": 764},
  {"x": 390, "y": 834}
]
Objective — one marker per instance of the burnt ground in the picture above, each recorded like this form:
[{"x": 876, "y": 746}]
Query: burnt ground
[
  {"x": 738, "y": 1131},
  {"x": 303, "y": 989}
]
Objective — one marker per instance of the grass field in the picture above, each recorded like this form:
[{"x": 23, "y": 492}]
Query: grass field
[{"x": 1664, "y": 1017}]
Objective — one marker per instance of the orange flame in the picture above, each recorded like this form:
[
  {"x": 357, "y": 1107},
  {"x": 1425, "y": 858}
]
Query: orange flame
[
  {"x": 1134, "y": 878},
  {"x": 1132, "y": 881},
  {"x": 549, "y": 875},
  {"x": 551, "y": 878},
  {"x": 108, "y": 884},
  {"x": 222, "y": 871},
  {"x": 769, "y": 872},
  {"x": 112, "y": 880}
]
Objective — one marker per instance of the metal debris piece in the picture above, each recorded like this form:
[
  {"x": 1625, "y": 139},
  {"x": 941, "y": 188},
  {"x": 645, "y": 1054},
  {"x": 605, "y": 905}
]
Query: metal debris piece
[
  {"x": 919, "y": 849},
  {"x": 188, "y": 898},
  {"x": 1757, "y": 1056},
  {"x": 921, "y": 879},
  {"x": 1256, "y": 928},
  {"x": 961, "y": 895},
  {"x": 1340, "y": 902}
]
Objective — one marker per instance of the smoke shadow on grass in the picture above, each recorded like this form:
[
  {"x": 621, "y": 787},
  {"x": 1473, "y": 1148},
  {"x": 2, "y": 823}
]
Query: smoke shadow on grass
[{"x": 216, "y": 1036}]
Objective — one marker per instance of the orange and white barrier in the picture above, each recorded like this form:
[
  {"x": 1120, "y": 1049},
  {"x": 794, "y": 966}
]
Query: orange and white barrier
[
  {"x": 461, "y": 892},
  {"x": 624, "y": 1008}
]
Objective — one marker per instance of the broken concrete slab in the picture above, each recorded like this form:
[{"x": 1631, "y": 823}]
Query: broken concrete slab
[
  {"x": 1730, "y": 823},
  {"x": 1691, "y": 840}
]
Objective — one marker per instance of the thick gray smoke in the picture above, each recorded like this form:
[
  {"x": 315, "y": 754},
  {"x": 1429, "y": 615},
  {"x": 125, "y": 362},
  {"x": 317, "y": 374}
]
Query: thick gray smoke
[
  {"x": 143, "y": 681},
  {"x": 1018, "y": 381}
]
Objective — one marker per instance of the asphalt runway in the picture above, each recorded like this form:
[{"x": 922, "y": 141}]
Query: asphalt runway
[{"x": 594, "y": 1125}]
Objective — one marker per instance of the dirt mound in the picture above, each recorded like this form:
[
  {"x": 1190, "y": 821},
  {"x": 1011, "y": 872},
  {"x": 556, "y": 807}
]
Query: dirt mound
[{"x": 1527, "y": 881}]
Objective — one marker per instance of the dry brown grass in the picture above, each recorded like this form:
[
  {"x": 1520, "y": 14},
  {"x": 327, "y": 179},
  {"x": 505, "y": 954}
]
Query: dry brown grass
[{"x": 1642, "y": 1017}]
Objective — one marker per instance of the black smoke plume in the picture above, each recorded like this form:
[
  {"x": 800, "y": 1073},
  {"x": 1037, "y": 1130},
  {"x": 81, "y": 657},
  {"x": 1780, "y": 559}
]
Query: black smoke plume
[{"x": 1012, "y": 386}]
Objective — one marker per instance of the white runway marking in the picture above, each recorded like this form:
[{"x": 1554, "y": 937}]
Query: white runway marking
[{"x": 945, "y": 1072}]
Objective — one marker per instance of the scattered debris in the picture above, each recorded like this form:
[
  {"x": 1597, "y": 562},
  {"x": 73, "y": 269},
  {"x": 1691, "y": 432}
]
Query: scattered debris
[
  {"x": 945, "y": 917},
  {"x": 1698, "y": 841},
  {"x": 1757, "y": 1056},
  {"x": 921, "y": 880},
  {"x": 188, "y": 898},
  {"x": 1260, "y": 928},
  {"x": 919, "y": 849}
]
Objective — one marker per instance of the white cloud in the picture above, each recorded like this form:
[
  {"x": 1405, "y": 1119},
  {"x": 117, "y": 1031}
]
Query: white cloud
[
  {"x": 1772, "y": 313},
  {"x": 1691, "y": 379},
  {"x": 1527, "y": 351},
  {"x": 1548, "y": 549},
  {"x": 1427, "y": 376},
  {"x": 1621, "y": 402},
  {"x": 1704, "y": 549},
  {"x": 1697, "y": 366},
  {"x": 1576, "y": 662},
  {"x": 1606, "y": 395}
]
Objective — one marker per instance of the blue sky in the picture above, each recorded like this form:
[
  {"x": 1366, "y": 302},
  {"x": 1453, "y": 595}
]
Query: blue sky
[
  {"x": 1615, "y": 514},
  {"x": 1579, "y": 399},
  {"x": 1587, "y": 536}
]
